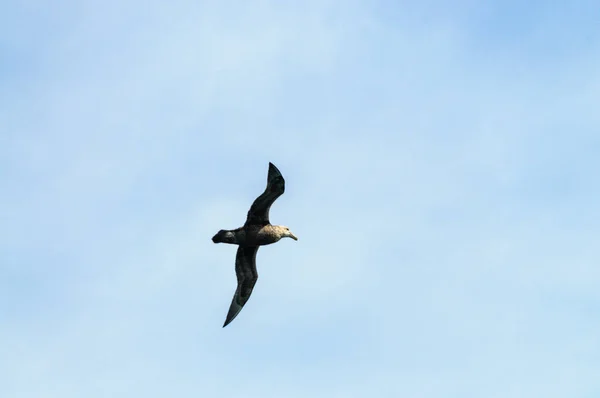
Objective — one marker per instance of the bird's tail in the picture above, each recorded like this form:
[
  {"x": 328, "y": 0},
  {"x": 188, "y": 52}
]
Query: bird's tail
[{"x": 224, "y": 236}]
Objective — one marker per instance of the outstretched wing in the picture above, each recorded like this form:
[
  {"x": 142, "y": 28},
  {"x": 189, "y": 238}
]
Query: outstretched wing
[
  {"x": 259, "y": 211},
  {"x": 245, "y": 269}
]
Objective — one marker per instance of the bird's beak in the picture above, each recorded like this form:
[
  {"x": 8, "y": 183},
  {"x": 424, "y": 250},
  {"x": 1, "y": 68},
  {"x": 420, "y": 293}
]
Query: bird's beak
[{"x": 293, "y": 236}]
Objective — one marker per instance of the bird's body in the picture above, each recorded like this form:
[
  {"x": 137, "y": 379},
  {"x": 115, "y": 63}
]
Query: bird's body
[
  {"x": 252, "y": 235},
  {"x": 257, "y": 231}
]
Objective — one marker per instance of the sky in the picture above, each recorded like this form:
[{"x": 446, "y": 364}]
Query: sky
[{"x": 441, "y": 165}]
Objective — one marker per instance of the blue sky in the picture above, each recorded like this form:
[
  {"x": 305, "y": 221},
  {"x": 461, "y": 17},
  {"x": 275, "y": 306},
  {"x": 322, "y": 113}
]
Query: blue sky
[{"x": 441, "y": 164}]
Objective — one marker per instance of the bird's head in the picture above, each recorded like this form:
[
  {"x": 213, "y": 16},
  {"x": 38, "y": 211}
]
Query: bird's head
[{"x": 286, "y": 233}]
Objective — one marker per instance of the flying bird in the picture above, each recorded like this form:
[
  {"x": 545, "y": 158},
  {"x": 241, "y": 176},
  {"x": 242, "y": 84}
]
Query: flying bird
[{"x": 257, "y": 231}]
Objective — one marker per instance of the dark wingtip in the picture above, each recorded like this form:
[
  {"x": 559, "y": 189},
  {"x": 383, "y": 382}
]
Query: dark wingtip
[
  {"x": 227, "y": 322},
  {"x": 230, "y": 317},
  {"x": 273, "y": 170},
  {"x": 234, "y": 310}
]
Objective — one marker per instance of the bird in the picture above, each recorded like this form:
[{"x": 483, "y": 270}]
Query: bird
[{"x": 257, "y": 231}]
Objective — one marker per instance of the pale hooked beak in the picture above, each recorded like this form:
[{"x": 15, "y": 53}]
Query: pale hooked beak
[{"x": 291, "y": 235}]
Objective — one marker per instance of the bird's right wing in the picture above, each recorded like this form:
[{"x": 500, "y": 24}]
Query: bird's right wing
[
  {"x": 259, "y": 211},
  {"x": 245, "y": 270}
]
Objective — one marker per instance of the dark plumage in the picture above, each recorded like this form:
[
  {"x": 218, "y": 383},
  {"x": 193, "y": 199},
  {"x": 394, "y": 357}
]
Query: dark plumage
[{"x": 257, "y": 231}]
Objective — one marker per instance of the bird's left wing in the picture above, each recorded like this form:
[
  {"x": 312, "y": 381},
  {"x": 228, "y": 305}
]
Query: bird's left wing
[{"x": 245, "y": 270}]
